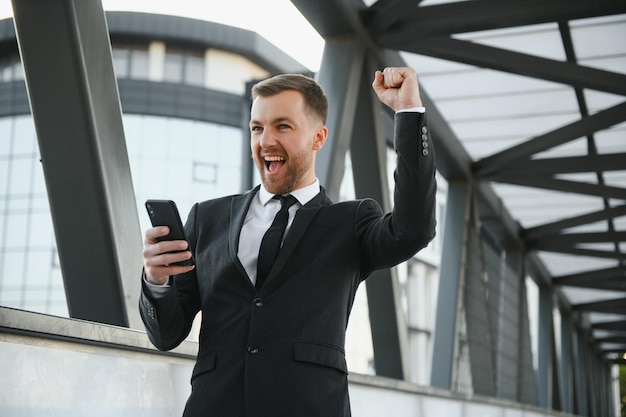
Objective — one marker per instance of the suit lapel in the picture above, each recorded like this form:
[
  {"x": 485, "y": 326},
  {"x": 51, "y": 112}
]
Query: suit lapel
[
  {"x": 238, "y": 210},
  {"x": 301, "y": 222}
]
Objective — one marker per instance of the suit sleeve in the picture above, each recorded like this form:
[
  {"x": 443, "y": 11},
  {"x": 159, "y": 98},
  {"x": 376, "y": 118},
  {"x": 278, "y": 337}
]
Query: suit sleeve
[
  {"x": 388, "y": 239},
  {"x": 168, "y": 315}
]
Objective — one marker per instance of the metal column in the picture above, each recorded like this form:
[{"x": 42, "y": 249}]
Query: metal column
[
  {"x": 454, "y": 246},
  {"x": 582, "y": 376},
  {"x": 339, "y": 76},
  {"x": 566, "y": 363},
  {"x": 369, "y": 164},
  {"x": 545, "y": 348},
  {"x": 65, "y": 49}
]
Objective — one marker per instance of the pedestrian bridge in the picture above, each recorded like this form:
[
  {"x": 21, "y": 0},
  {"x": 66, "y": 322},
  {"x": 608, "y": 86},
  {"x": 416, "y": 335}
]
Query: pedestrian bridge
[
  {"x": 518, "y": 310},
  {"x": 54, "y": 366}
]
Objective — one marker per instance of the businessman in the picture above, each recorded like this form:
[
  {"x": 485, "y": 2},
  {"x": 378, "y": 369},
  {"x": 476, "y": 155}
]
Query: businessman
[{"x": 277, "y": 268}]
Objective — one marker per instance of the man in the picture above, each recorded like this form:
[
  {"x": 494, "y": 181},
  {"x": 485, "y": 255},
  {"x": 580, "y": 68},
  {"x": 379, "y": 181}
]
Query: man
[{"x": 272, "y": 336}]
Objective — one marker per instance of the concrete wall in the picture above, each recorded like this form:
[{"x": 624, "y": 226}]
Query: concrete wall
[{"x": 52, "y": 366}]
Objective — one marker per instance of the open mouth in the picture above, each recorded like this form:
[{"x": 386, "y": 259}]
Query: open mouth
[{"x": 273, "y": 163}]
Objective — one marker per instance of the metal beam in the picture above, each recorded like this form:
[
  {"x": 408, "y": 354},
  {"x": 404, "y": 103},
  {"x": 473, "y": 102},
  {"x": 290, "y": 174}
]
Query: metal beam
[
  {"x": 65, "y": 49},
  {"x": 478, "y": 15},
  {"x": 612, "y": 339},
  {"x": 551, "y": 166},
  {"x": 584, "y": 252},
  {"x": 332, "y": 17},
  {"x": 610, "y": 325},
  {"x": 616, "y": 349},
  {"x": 585, "y": 126},
  {"x": 609, "y": 278},
  {"x": 385, "y": 13},
  {"x": 567, "y": 186},
  {"x": 611, "y": 284},
  {"x": 569, "y": 239},
  {"x": 617, "y": 306},
  {"x": 483, "y": 56},
  {"x": 554, "y": 228}
]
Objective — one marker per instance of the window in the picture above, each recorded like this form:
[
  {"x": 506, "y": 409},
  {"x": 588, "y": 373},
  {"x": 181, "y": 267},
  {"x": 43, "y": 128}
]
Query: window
[
  {"x": 204, "y": 173},
  {"x": 173, "y": 67},
  {"x": 11, "y": 69},
  {"x": 139, "y": 63},
  {"x": 130, "y": 61},
  {"x": 183, "y": 66}
]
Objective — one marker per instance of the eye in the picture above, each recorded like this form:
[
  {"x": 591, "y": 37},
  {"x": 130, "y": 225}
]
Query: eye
[
  {"x": 256, "y": 128},
  {"x": 283, "y": 126}
]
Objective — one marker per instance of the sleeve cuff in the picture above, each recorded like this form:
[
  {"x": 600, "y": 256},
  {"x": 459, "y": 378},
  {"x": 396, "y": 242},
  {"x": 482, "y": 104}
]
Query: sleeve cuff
[
  {"x": 413, "y": 110},
  {"x": 156, "y": 290}
]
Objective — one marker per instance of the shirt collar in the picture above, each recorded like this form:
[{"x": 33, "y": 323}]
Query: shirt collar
[{"x": 303, "y": 195}]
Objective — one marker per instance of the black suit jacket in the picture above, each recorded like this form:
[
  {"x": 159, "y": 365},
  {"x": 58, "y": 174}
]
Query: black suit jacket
[{"x": 280, "y": 351}]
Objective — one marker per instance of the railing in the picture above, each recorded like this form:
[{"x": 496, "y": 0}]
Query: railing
[{"x": 52, "y": 366}]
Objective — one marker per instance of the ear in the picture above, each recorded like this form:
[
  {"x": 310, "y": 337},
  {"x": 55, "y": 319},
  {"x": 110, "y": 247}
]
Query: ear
[{"x": 320, "y": 137}]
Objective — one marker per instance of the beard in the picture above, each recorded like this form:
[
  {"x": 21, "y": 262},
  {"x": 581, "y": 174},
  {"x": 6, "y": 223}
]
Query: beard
[{"x": 294, "y": 170}]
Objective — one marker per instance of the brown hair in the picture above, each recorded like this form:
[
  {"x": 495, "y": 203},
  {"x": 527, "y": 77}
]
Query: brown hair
[{"x": 312, "y": 92}]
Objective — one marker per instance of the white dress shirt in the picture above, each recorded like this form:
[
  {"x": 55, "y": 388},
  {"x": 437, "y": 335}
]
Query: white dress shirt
[{"x": 259, "y": 218}]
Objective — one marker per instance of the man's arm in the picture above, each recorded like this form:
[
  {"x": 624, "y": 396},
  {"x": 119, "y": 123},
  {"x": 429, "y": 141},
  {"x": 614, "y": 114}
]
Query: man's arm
[
  {"x": 167, "y": 310},
  {"x": 390, "y": 239}
]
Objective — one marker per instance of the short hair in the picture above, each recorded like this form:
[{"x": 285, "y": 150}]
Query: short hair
[{"x": 314, "y": 97}]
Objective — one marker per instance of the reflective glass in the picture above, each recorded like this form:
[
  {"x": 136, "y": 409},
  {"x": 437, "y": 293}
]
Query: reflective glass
[
  {"x": 194, "y": 70},
  {"x": 173, "y": 67},
  {"x": 139, "y": 64},
  {"x": 6, "y": 137},
  {"x": 120, "y": 62},
  {"x": 183, "y": 160}
]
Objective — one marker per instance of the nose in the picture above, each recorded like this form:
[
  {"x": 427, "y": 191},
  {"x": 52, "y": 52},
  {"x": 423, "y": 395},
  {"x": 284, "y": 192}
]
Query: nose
[{"x": 267, "y": 140}]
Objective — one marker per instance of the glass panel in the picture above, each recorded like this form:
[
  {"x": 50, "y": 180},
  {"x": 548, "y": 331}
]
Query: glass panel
[
  {"x": 6, "y": 72},
  {"x": 194, "y": 70},
  {"x": 139, "y": 64},
  {"x": 120, "y": 61},
  {"x": 6, "y": 135},
  {"x": 27, "y": 241},
  {"x": 18, "y": 70},
  {"x": 204, "y": 173},
  {"x": 189, "y": 155},
  {"x": 173, "y": 68},
  {"x": 30, "y": 275}
]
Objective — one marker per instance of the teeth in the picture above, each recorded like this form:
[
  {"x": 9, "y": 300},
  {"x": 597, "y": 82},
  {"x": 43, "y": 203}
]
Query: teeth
[{"x": 273, "y": 158}]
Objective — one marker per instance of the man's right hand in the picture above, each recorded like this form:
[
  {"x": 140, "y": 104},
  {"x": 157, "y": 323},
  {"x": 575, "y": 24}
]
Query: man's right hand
[{"x": 157, "y": 261}]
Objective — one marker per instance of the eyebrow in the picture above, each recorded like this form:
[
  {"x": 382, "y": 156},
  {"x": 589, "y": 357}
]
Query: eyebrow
[{"x": 275, "y": 121}]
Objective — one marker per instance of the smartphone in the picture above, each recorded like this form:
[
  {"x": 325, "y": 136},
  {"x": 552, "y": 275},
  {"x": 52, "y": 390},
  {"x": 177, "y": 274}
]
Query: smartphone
[{"x": 165, "y": 213}]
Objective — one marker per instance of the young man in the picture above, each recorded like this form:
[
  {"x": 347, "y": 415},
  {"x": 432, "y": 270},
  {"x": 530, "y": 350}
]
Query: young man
[{"x": 273, "y": 332}]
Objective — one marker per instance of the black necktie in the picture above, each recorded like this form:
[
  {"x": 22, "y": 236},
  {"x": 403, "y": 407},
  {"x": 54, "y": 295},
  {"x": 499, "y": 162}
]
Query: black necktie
[{"x": 270, "y": 245}]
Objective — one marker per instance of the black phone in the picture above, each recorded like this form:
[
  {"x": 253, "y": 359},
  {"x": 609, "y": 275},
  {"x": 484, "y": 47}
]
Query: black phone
[{"x": 165, "y": 213}]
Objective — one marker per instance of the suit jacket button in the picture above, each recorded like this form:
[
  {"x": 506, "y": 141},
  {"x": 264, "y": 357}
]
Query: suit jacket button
[
  {"x": 257, "y": 302},
  {"x": 253, "y": 350},
  {"x": 425, "y": 152},
  {"x": 424, "y": 129}
]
